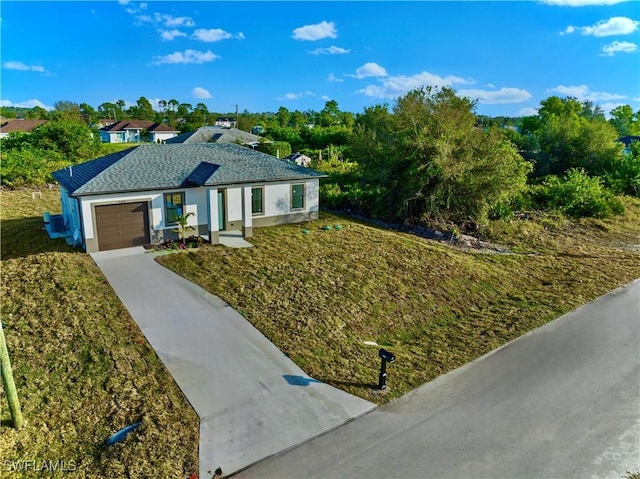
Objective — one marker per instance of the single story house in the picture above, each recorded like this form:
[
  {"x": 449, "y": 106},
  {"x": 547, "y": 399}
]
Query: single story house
[
  {"x": 215, "y": 134},
  {"x": 133, "y": 197},
  {"x": 132, "y": 131},
  {"x": 299, "y": 159},
  {"x": 226, "y": 122},
  {"x": 15, "y": 124}
]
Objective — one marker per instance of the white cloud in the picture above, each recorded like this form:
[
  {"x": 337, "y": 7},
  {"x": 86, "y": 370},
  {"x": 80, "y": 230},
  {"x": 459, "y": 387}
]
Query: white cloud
[
  {"x": 198, "y": 92},
  {"x": 171, "y": 21},
  {"x": 332, "y": 50},
  {"x": 26, "y": 104},
  {"x": 211, "y": 35},
  {"x": 370, "y": 70},
  {"x": 16, "y": 66},
  {"x": 325, "y": 98},
  {"x": 333, "y": 78},
  {"x": 395, "y": 86},
  {"x": 502, "y": 96},
  {"x": 581, "y": 3},
  {"x": 583, "y": 92},
  {"x": 240, "y": 36},
  {"x": 188, "y": 56},
  {"x": 569, "y": 30},
  {"x": 619, "y": 47},
  {"x": 607, "y": 107},
  {"x": 317, "y": 31},
  {"x": 613, "y": 26},
  {"x": 528, "y": 112},
  {"x": 11, "y": 65},
  {"x": 171, "y": 34},
  {"x": 295, "y": 96}
]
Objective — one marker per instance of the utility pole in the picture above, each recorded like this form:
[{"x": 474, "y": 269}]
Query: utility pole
[
  {"x": 8, "y": 384},
  {"x": 236, "y": 115}
]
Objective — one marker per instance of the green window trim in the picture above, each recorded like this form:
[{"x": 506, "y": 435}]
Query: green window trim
[
  {"x": 297, "y": 197},
  {"x": 173, "y": 207},
  {"x": 257, "y": 200}
]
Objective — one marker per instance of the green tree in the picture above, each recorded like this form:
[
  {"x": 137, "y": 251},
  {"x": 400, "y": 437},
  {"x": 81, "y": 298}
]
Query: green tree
[
  {"x": 143, "y": 110},
  {"x": 330, "y": 114},
  {"x": 569, "y": 134},
  {"x": 88, "y": 114},
  {"x": 66, "y": 110},
  {"x": 108, "y": 111},
  {"x": 625, "y": 121},
  {"x": 283, "y": 117},
  {"x": 430, "y": 162},
  {"x": 279, "y": 149},
  {"x": 37, "y": 113},
  {"x": 184, "y": 109}
]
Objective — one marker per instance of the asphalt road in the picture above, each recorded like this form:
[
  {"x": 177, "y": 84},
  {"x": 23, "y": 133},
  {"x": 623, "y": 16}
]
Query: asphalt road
[{"x": 560, "y": 402}]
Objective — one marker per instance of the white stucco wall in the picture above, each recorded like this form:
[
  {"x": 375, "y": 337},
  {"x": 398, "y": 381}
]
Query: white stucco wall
[
  {"x": 277, "y": 197},
  {"x": 162, "y": 136},
  {"x": 276, "y": 200}
]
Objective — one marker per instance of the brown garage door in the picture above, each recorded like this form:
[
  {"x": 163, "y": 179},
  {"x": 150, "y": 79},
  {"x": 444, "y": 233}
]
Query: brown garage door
[{"x": 122, "y": 225}]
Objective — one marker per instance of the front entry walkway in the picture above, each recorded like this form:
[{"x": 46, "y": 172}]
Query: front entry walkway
[{"x": 252, "y": 400}]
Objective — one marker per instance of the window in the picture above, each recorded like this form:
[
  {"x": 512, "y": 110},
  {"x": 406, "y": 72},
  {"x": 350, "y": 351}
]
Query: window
[
  {"x": 256, "y": 201},
  {"x": 297, "y": 197},
  {"x": 173, "y": 204}
]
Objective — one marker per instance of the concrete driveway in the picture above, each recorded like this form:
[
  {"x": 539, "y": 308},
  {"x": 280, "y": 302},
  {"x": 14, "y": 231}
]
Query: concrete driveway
[{"x": 252, "y": 400}]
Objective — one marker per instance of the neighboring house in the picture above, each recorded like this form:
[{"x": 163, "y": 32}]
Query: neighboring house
[
  {"x": 14, "y": 124},
  {"x": 133, "y": 197},
  {"x": 131, "y": 131},
  {"x": 102, "y": 122},
  {"x": 627, "y": 140},
  {"x": 299, "y": 159},
  {"x": 215, "y": 134},
  {"x": 225, "y": 122}
]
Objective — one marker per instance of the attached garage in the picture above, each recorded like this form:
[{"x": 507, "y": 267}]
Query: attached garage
[{"x": 122, "y": 225}]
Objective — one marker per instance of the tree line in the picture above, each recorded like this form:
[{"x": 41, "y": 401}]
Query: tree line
[{"x": 428, "y": 157}]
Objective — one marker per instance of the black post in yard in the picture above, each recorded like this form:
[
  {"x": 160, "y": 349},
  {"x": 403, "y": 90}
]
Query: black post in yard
[
  {"x": 386, "y": 356},
  {"x": 382, "y": 378}
]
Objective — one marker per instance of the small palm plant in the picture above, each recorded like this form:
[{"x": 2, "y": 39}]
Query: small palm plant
[{"x": 183, "y": 226}]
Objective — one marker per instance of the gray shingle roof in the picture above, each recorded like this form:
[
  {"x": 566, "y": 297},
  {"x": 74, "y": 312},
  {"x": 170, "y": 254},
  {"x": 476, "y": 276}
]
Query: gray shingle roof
[
  {"x": 215, "y": 134},
  {"x": 159, "y": 167}
]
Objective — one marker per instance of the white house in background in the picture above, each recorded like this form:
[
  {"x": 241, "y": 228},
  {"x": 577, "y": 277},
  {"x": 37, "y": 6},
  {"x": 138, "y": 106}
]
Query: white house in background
[
  {"x": 133, "y": 131},
  {"x": 225, "y": 122},
  {"x": 133, "y": 197},
  {"x": 216, "y": 134},
  {"x": 299, "y": 159}
]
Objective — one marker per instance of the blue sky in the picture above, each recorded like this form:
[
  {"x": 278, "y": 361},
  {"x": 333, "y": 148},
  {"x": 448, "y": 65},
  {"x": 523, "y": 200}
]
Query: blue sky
[{"x": 263, "y": 55}]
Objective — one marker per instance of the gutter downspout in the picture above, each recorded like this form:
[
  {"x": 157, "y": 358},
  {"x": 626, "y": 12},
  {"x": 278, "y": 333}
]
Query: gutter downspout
[{"x": 84, "y": 246}]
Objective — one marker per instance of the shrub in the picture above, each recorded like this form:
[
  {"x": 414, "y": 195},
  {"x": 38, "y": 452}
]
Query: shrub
[{"x": 576, "y": 194}]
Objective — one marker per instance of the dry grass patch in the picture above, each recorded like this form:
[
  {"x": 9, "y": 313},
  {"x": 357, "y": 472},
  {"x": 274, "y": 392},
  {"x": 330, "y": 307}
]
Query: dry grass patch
[
  {"x": 82, "y": 368},
  {"x": 319, "y": 296}
]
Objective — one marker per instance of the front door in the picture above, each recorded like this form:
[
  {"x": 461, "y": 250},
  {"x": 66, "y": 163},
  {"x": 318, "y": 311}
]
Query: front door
[{"x": 221, "y": 210}]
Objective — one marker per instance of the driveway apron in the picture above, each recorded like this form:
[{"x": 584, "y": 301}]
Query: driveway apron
[{"x": 252, "y": 400}]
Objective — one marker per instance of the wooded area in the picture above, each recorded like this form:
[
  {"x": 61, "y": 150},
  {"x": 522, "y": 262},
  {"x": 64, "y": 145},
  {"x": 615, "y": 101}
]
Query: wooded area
[{"x": 427, "y": 158}]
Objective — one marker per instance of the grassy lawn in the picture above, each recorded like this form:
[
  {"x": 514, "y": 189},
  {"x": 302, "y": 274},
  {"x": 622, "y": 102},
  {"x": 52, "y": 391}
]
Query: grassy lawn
[
  {"x": 84, "y": 370},
  {"x": 81, "y": 365},
  {"x": 319, "y": 296}
]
